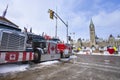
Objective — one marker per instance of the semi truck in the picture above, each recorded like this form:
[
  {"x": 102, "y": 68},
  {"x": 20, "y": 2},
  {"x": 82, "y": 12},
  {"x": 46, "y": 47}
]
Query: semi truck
[{"x": 20, "y": 46}]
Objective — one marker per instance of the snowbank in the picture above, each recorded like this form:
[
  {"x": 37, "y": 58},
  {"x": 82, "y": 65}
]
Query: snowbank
[
  {"x": 81, "y": 52},
  {"x": 106, "y": 53},
  {"x": 49, "y": 62},
  {"x": 5, "y": 68},
  {"x": 13, "y": 68}
]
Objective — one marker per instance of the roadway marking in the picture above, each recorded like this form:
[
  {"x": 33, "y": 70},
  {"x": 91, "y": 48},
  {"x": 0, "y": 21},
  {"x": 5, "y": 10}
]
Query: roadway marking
[
  {"x": 77, "y": 74},
  {"x": 107, "y": 61},
  {"x": 57, "y": 71},
  {"x": 100, "y": 67},
  {"x": 106, "y": 66}
]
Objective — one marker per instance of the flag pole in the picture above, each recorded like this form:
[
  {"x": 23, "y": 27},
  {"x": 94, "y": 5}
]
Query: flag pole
[{"x": 4, "y": 13}]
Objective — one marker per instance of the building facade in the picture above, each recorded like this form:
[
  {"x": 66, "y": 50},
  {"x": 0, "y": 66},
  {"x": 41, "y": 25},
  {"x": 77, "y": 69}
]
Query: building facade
[
  {"x": 92, "y": 34},
  {"x": 97, "y": 42}
]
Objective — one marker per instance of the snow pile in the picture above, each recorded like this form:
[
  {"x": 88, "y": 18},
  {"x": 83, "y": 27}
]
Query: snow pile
[
  {"x": 84, "y": 52},
  {"x": 73, "y": 58},
  {"x": 97, "y": 54},
  {"x": 49, "y": 62},
  {"x": 106, "y": 53},
  {"x": 64, "y": 59},
  {"x": 12, "y": 68},
  {"x": 44, "y": 64},
  {"x": 81, "y": 52}
]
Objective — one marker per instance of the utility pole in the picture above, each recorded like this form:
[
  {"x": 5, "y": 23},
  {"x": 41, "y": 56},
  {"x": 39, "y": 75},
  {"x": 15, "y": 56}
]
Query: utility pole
[
  {"x": 56, "y": 29},
  {"x": 67, "y": 32},
  {"x": 54, "y": 14},
  {"x": 56, "y": 25}
]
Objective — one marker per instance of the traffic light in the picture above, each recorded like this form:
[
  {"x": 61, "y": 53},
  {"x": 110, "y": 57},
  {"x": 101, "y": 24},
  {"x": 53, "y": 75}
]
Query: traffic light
[
  {"x": 51, "y": 14},
  {"x": 69, "y": 38}
]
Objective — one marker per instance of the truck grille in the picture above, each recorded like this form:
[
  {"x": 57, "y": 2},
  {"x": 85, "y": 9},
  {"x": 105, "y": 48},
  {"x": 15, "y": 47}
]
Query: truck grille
[{"x": 12, "y": 42}]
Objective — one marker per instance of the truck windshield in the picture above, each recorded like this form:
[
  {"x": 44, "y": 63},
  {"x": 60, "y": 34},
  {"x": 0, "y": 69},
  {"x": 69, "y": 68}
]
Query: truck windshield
[
  {"x": 55, "y": 40},
  {"x": 34, "y": 38},
  {"x": 37, "y": 38}
]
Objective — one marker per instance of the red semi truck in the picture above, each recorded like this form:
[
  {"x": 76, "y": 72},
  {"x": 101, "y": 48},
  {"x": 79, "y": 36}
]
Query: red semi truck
[{"x": 16, "y": 45}]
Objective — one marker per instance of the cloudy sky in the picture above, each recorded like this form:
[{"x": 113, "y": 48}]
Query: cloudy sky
[{"x": 34, "y": 13}]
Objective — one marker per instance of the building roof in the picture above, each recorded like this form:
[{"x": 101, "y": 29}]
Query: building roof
[{"x": 5, "y": 21}]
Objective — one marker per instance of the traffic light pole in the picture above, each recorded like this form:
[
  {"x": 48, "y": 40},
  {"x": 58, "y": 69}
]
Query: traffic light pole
[
  {"x": 67, "y": 32},
  {"x": 66, "y": 24},
  {"x": 56, "y": 28},
  {"x": 54, "y": 14}
]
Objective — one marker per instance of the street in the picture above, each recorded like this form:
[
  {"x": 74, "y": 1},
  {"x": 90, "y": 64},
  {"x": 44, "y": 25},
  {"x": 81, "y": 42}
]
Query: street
[{"x": 87, "y": 67}]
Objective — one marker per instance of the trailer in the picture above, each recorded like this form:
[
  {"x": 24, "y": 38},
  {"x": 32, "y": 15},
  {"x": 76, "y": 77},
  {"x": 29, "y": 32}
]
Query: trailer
[{"x": 18, "y": 46}]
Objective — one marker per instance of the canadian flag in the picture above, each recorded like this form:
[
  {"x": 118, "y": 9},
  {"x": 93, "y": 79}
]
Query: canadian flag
[{"x": 12, "y": 56}]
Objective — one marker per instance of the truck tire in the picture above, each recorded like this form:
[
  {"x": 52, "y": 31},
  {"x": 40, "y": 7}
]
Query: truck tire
[
  {"x": 61, "y": 55},
  {"x": 37, "y": 56},
  {"x": 67, "y": 56},
  {"x": 64, "y": 56}
]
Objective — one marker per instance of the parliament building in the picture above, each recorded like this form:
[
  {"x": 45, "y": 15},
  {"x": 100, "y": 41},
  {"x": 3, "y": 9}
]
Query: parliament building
[{"x": 97, "y": 42}]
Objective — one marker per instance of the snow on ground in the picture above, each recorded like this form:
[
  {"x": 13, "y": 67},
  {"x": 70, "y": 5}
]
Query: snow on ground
[
  {"x": 81, "y": 52},
  {"x": 49, "y": 62},
  {"x": 44, "y": 64},
  {"x": 105, "y": 53},
  {"x": 5, "y": 68}
]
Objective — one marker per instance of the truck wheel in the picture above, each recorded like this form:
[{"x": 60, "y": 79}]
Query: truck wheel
[
  {"x": 61, "y": 54},
  {"x": 67, "y": 56},
  {"x": 37, "y": 56}
]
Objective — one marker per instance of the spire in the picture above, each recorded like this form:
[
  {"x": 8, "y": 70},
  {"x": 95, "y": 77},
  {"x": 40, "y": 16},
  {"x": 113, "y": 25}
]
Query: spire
[
  {"x": 4, "y": 13},
  {"x": 91, "y": 22}
]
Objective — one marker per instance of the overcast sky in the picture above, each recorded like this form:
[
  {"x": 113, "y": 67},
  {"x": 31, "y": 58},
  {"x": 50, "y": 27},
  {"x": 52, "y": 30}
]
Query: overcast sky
[{"x": 34, "y": 13}]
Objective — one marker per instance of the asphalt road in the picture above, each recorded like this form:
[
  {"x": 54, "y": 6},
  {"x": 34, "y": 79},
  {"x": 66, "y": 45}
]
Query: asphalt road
[
  {"x": 105, "y": 60},
  {"x": 87, "y": 67},
  {"x": 100, "y": 67}
]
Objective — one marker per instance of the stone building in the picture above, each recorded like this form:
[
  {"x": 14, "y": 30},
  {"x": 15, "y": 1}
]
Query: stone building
[
  {"x": 92, "y": 34},
  {"x": 96, "y": 41}
]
